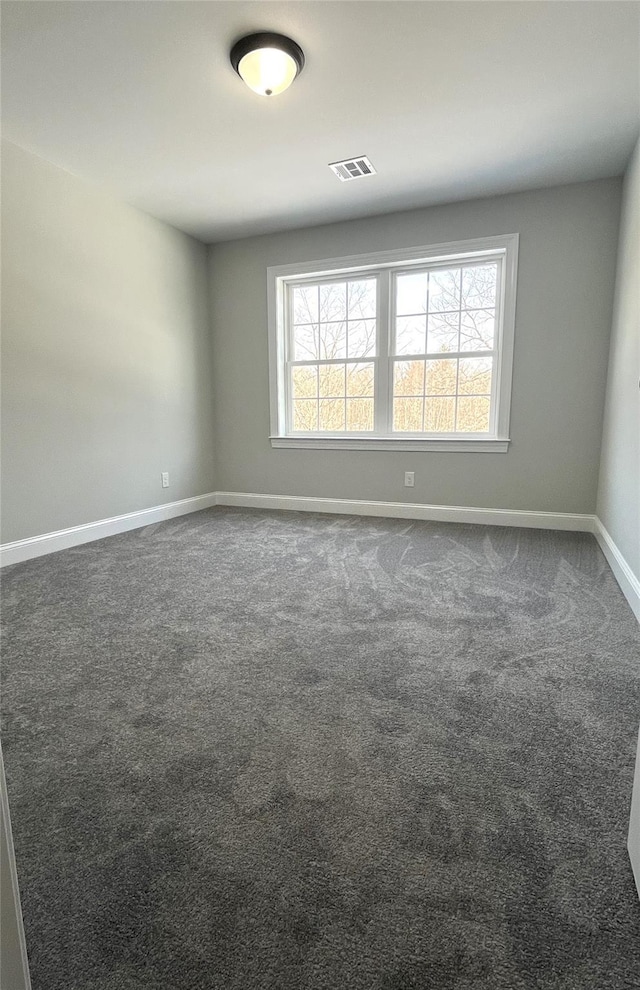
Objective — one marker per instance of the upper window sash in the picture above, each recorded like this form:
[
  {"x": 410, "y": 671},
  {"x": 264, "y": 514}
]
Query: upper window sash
[{"x": 287, "y": 303}]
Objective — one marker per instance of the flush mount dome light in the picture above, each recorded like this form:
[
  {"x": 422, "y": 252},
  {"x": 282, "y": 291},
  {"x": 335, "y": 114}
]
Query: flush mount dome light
[{"x": 267, "y": 62}]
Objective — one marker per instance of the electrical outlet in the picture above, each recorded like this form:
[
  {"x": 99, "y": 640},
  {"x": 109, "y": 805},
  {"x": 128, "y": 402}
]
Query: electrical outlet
[
  {"x": 409, "y": 479},
  {"x": 165, "y": 479}
]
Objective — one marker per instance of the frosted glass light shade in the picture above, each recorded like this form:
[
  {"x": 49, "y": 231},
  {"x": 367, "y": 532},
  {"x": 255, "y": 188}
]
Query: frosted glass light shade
[
  {"x": 268, "y": 71},
  {"x": 268, "y": 63}
]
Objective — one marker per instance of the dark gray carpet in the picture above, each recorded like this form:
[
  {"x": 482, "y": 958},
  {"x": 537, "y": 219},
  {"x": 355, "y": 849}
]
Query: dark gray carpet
[{"x": 254, "y": 750}]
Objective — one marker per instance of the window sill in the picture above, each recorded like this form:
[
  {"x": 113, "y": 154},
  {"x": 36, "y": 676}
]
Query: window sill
[{"x": 448, "y": 444}]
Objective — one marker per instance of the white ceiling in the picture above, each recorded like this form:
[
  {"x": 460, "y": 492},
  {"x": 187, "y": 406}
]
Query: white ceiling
[{"x": 449, "y": 100}]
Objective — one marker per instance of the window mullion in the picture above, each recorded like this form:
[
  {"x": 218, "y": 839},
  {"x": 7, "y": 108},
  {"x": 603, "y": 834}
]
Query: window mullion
[{"x": 382, "y": 405}]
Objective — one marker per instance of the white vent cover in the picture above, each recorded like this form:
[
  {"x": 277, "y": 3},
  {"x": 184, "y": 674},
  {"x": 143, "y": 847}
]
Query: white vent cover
[{"x": 352, "y": 168}]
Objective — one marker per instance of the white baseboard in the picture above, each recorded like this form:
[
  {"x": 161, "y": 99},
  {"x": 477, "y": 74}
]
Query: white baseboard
[
  {"x": 36, "y": 546},
  {"x": 413, "y": 510},
  {"x": 628, "y": 581}
]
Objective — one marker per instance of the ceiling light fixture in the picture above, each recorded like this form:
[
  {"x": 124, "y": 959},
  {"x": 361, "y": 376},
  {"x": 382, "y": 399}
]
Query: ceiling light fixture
[{"x": 267, "y": 62}]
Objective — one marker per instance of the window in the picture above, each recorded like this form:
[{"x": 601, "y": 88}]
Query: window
[{"x": 406, "y": 349}]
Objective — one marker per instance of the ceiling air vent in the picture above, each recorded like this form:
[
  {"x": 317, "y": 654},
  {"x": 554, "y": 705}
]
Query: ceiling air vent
[{"x": 352, "y": 168}]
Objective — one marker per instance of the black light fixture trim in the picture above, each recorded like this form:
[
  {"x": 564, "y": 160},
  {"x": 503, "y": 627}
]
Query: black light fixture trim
[{"x": 266, "y": 39}]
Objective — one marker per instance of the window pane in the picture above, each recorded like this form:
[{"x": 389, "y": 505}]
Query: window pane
[
  {"x": 410, "y": 335},
  {"x": 474, "y": 376},
  {"x": 332, "y": 413},
  {"x": 305, "y": 304},
  {"x": 442, "y": 332},
  {"x": 306, "y": 342},
  {"x": 362, "y": 338},
  {"x": 439, "y": 414},
  {"x": 331, "y": 380},
  {"x": 473, "y": 413},
  {"x": 362, "y": 298},
  {"x": 477, "y": 329},
  {"x": 305, "y": 381},
  {"x": 360, "y": 379},
  {"x": 411, "y": 293},
  {"x": 479, "y": 286},
  {"x": 407, "y": 415},
  {"x": 408, "y": 378},
  {"x": 333, "y": 301},
  {"x": 444, "y": 289},
  {"x": 441, "y": 377},
  {"x": 359, "y": 414},
  {"x": 305, "y": 414},
  {"x": 333, "y": 341}
]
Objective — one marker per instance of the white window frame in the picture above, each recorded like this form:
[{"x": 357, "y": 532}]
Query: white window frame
[{"x": 385, "y": 265}]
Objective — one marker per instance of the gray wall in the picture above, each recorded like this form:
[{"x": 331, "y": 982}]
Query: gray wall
[
  {"x": 619, "y": 490},
  {"x": 107, "y": 376},
  {"x": 106, "y": 364},
  {"x": 568, "y": 239}
]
